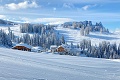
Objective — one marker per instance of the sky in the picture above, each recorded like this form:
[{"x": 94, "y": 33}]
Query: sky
[{"x": 59, "y": 11}]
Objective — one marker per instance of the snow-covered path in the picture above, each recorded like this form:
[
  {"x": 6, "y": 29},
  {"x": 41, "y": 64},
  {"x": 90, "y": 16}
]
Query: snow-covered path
[{"x": 20, "y": 65}]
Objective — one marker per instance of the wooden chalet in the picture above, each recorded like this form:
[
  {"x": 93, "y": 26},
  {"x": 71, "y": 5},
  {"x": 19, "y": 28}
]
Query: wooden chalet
[
  {"x": 68, "y": 50},
  {"x": 23, "y": 47},
  {"x": 60, "y": 49}
]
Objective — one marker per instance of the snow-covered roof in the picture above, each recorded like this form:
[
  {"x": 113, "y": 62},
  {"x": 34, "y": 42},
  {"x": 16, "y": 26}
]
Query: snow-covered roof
[
  {"x": 37, "y": 48},
  {"x": 64, "y": 46},
  {"x": 68, "y": 47},
  {"x": 23, "y": 44},
  {"x": 53, "y": 46}
]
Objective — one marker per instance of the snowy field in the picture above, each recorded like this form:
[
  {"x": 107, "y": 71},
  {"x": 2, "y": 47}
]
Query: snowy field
[
  {"x": 73, "y": 35},
  {"x": 20, "y": 65}
]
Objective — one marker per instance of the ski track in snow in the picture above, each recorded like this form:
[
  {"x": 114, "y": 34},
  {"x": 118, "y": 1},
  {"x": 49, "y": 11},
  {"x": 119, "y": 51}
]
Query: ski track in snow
[{"x": 20, "y": 65}]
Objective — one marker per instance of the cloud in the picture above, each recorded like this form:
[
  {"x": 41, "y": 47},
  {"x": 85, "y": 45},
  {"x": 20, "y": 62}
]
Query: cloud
[
  {"x": 47, "y": 20},
  {"x": 54, "y": 9},
  {"x": 68, "y": 5},
  {"x": 91, "y": 1},
  {"x": 21, "y": 5},
  {"x": 2, "y": 16},
  {"x": 86, "y": 7}
]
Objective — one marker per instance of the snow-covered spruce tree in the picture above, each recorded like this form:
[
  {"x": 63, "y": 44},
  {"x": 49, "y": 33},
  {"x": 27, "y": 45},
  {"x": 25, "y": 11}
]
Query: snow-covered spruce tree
[
  {"x": 115, "y": 47},
  {"x": 118, "y": 49},
  {"x": 24, "y": 28},
  {"x": 86, "y": 31},
  {"x": 78, "y": 46},
  {"x": 11, "y": 34},
  {"x": 101, "y": 30},
  {"x": 82, "y": 31},
  {"x": 72, "y": 46},
  {"x": 26, "y": 38},
  {"x": 8, "y": 41},
  {"x": 63, "y": 39},
  {"x": 92, "y": 51},
  {"x": 106, "y": 55},
  {"x": 82, "y": 45},
  {"x": 5, "y": 39}
]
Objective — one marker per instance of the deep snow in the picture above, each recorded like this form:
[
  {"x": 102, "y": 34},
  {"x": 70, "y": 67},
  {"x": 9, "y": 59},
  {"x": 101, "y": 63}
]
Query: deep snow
[{"x": 20, "y": 65}]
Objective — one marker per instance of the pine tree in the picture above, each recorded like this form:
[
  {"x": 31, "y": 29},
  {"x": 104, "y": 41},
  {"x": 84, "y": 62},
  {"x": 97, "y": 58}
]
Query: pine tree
[
  {"x": 118, "y": 50},
  {"x": 86, "y": 31},
  {"x": 63, "y": 40},
  {"x": 82, "y": 31}
]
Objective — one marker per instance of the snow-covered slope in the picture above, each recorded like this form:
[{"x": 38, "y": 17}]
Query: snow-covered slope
[
  {"x": 20, "y": 65},
  {"x": 14, "y": 28},
  {"x": 95, "y": 37},
  {"x": 73, "y": 35}
]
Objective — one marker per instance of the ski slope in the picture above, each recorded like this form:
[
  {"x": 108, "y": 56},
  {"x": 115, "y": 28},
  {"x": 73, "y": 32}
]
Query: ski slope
[
  {"x": 73, "y": 35},
  {"x": 20, "y": 65}
]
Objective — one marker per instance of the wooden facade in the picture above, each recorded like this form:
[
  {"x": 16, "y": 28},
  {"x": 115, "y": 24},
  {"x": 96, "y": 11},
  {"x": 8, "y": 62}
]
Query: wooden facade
[
  {"x": 22, "y": 48},
  {"x": 61, "y": 49}
]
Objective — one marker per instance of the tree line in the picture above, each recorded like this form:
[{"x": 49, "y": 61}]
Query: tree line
[
  {"x": 42, "y": 35},
  {"x": 86, "y": 27},
  {"x": 103, "y": 50}
]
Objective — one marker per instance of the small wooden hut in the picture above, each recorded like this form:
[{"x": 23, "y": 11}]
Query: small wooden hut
[{"x": 60, "y": 49}]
